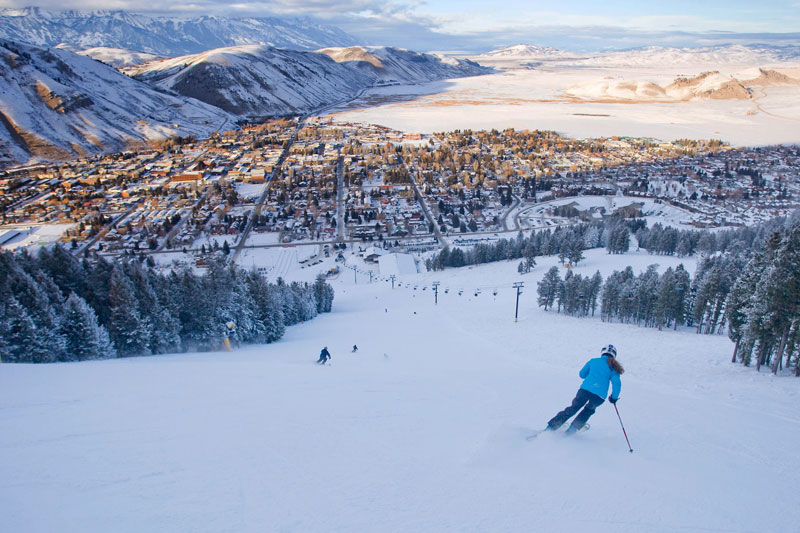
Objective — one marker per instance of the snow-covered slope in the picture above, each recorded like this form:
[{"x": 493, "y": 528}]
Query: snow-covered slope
[
  {"x": 259, "y": 81},
  {"x": 649, "y": 57},
  {"x": 116, "y": 57},
  {"x": 55, "y": 104},
  {"x": 711, "y": 57},
  {"x": 711, "y": 85},
  {"x": 163, "y": 36},
  {"x": 422, "y": 429},
  {"x": 527, "y": 52}
]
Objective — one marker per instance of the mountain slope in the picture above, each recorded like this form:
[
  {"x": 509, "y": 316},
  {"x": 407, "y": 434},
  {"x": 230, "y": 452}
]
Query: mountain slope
[
  {"x": 162, "y": 36},
  {"x": 260, "y": 81},
  {"x": 56, "y": 105},
  {"x": 116, "y": 57},
  {"x": 423, "y": 429},
  {"x": 527, "y": 51}
]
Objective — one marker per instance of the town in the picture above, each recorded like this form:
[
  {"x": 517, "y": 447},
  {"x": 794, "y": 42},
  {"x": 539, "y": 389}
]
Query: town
[{"x": 333, "y": 185}]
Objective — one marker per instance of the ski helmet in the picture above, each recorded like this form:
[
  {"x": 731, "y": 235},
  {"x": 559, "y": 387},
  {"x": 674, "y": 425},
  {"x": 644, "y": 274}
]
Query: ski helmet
[{"x": 609, "y": 350}]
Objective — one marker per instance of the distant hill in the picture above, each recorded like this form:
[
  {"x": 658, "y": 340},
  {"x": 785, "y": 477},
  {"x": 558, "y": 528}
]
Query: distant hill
[
  {"x": 260, "y": 81},
  {"x": 526, "y": 51},
  {"x": 705, "y": 58},
  {"x": 163, "y": 36},
  {"x": 709, "y": 57},
  {"x": 116, "y": 57},
  {"x": 55, "y": 104},
  {"x": 706, "y": 85}
]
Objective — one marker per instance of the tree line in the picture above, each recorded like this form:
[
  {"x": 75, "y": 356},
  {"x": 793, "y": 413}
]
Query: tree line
[
  {"x": 612, "y": 233},
  {"x": 58, "y": 308},
  {"x": 751, "y": 290}
]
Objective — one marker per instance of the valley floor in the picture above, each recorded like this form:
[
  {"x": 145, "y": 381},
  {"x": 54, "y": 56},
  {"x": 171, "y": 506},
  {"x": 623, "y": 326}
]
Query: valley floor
[
  {"x": 422, "y": 429},
  {"x": 535, "y": 99}
]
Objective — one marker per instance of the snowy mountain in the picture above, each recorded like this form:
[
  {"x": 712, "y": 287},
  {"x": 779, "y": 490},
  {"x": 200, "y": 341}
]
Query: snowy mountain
[
  {"x": 527, "y": 51},
  {"x": 55, "y": 104},
  {"x": 116, "y": 57},
  {"x": 703, "y": 58},
  {"x": 707, "y": 85},
  {"x": 260, "y": 81},
  {"x": 162, "y": 36},
  {"x": 710, "y": 56}
]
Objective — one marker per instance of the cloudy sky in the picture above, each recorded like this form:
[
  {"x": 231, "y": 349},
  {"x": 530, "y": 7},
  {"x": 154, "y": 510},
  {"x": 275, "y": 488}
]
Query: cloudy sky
[{"x": 481, "y": 25}]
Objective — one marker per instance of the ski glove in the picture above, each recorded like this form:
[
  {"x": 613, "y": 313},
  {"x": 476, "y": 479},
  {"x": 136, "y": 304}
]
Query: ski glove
[{"x": 612, "y": 399}]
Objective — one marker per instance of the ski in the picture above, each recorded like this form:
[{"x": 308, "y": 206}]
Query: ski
[
  {"x": 584, "y": 428},
  {"x": 537, "y": 433}
]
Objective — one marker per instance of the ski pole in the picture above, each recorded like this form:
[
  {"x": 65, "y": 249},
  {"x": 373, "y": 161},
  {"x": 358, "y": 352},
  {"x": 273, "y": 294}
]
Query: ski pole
[{"x": 623, "y": 429}]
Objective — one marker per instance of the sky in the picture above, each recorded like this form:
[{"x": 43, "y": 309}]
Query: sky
[{"x": 477, "y": 25}]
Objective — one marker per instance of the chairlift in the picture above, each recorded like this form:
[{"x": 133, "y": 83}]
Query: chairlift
[
  {"x": 494, "y": 293},
  {"x": 446, "y": 291},
  {"x": 460, "y": 293}
]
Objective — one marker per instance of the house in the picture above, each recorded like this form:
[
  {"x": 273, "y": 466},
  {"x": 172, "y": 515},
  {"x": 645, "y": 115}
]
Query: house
[{"x": 373, "y": 254}]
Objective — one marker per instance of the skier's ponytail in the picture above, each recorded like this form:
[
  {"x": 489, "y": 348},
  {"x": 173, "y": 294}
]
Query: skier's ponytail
[{"x": 615, "y": 366}]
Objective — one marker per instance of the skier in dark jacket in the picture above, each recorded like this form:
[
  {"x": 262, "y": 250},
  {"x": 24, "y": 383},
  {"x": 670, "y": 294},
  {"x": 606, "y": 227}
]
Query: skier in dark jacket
[
  {"x": 324, "y": 355},
  {"x": 597, "y": 373}
]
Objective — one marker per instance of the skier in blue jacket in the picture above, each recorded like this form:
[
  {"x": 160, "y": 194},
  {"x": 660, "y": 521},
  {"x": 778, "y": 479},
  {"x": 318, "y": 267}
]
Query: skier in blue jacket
[{"x": 597, "y": 373}]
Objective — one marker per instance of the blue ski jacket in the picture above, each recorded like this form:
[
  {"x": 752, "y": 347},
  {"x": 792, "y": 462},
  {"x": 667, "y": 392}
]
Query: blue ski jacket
[{"x": 597, "y": 374}]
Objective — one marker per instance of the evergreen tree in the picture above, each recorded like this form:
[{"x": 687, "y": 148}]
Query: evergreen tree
[
  {"x": 26, "y": 343},
  {"x": 85, "y": 338},
  {"x": 323, "y": 293},
  {"x": 129, "y": 331},
  {"x": 549, "y": 288}
]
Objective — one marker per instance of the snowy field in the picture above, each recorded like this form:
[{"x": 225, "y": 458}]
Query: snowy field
[
  {"x": 565, "y": 98},
  {"x": 282, "y": 262},
  {"x": 537, "y": 216},
  {"x": 423, "y": 429},
  {"x": 34, "y": 236}
]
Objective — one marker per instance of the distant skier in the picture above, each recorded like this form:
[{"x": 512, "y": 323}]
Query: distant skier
[
  {"x": 355, "y": 348},
  {"x": 324, "y": 355},
  {"x": 597, "y": 373}
]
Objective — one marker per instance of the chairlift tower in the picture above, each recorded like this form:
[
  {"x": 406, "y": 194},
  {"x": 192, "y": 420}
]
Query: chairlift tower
[{"x": 518, "y": 285}]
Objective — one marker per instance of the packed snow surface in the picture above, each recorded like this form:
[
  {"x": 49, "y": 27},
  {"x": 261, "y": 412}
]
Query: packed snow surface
[{"x": 422, "y": 429}]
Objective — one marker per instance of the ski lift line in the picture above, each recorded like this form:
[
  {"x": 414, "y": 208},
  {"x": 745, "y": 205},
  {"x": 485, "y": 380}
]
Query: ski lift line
[{"x": 479, "y": 287}]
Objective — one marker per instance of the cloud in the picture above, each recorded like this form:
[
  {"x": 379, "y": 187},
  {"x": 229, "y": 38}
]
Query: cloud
[{"x": 472, "y": 27}]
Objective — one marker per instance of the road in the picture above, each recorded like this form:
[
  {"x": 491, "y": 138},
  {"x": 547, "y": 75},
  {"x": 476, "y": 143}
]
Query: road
[
  {"x": 431, "y": 221},
  {"x": 504, "y": 216},
  {"x": 89, "y": 243},
  {"x": 340, "y": 224},
  {"x": 263, "y": 199},
  {"x": 174, "y": 231}
]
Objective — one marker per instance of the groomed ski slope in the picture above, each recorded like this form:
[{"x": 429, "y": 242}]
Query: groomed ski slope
[{"x": 423, "y": 429}]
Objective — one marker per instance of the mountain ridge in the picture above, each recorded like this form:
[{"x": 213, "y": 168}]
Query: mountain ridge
[
  {"x": 56, "y": 105},
  {"x": 163, "y": 36},
  {"x": 257, "y": 81}
]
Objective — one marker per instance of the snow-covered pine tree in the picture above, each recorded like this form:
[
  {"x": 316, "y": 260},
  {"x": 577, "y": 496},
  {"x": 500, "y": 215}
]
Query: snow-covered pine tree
[
  {"x": 594, "y": 290},
  {"x": 129, "y": 331},
  {"x": 27, "y": 344},
  {"x": 85, "y": 338},
  {"x": 738, "y": 302},
  {"x": 548, "y": 289},
  {"x": 323, "y": 293}
]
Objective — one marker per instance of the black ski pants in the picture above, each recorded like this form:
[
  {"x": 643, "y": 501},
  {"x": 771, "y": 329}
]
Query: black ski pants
[{"x": 583, "y": 398}]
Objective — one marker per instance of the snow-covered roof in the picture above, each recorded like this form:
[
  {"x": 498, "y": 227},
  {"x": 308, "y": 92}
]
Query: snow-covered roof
[{"x": 397, "y": 264}]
